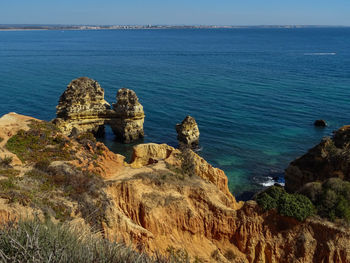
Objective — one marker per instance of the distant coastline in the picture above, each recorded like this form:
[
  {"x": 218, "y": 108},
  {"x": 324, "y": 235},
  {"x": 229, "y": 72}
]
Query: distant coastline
[{"x": 133, "y": 27}]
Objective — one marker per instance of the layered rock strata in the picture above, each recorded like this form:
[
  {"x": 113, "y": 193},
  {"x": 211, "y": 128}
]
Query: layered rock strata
[
  {"x": 330, "y": 158},
  {"x": 82, "y": 108},
  {"x": 188, "y": 132},
  {"x": 130, "y": 116},
  {"x": 157, "y": 207}
]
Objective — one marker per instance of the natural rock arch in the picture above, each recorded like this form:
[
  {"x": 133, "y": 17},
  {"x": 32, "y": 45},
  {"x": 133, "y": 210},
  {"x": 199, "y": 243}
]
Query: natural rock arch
[{"x": 82, "y": 108}]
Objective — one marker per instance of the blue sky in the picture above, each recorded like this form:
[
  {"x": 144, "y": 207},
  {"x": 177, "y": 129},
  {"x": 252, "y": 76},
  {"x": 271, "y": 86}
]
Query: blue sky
[{"x": 218, "y": 12}]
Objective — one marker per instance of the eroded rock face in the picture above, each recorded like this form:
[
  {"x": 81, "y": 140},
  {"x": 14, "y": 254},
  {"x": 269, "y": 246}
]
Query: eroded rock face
[
  {"x": 188, "y": 132},
  {"x": 152, "y": 206},
  {"x": 129, "y": 124},
  {"x": 155, "y": 209},
  {"x": 82, "y": 108},
  {"x": 330, "y": 158}
]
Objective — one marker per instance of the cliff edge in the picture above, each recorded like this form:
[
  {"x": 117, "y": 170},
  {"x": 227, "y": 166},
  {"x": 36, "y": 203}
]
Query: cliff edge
[{"x": 165, "y": 200}]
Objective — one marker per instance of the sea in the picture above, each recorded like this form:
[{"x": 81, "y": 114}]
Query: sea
[{"x": 254, "y": 92}]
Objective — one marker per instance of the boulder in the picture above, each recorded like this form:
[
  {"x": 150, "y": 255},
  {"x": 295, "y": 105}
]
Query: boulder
[
  {"x": 188, "y": 132},
  {"x": 320, "y": 123}
]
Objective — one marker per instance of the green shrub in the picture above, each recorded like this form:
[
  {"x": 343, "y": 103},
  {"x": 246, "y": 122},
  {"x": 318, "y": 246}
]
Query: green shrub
[
  {"x": 293, "y": 205},
  {"x": 36, "y": 242},
  {"x": 331, "y": 198},
  {"x": 1, "y": 139}
]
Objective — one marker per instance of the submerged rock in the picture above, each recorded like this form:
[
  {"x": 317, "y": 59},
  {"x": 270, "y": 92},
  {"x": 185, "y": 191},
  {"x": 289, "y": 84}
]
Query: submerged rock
[
  {"x": 188, "y": 132},
  {"x": 320, "y": 123},
  {"x": 82, "y": 108},
  {"x": 129, "y": 124}
]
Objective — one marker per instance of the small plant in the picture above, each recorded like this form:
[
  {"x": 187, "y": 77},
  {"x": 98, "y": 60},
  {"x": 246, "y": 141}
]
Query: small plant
[
  {"x": 1, "y": 139},
  {"x": 8, "y": 184},
  {"x": 21, "y": 197},
  {"x": 9, "y": 172},
  {"x": 178, "y": 255},
  {"x": 230, "y": 255},
  {"x": 6, "y": 161},
  {"x": 187, "y": 162}
]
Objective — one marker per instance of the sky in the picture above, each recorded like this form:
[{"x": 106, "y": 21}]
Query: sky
[{"x": 179, "y": 12}]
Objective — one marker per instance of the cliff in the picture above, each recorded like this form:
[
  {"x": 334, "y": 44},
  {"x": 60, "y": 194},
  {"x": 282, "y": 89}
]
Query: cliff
[
  {"x": 164, "y": 200},
  {"x": 330, "y": 158}
]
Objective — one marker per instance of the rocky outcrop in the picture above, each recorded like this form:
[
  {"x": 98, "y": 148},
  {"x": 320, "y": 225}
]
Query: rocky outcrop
[
  {"x": 82, "y": 108},
  {"x": 156, "y": 206},
  {"x": 10, "y": 124},
  {"x": 188, "y": 132},
  {"x": 129, "y": 124},
  {"x": 157, "y": 209},
  {"x": 330, "y": 158}
]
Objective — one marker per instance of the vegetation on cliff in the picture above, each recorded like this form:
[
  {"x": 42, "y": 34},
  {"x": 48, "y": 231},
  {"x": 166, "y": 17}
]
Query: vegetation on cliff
[
  {"x": 41, "y": 142},
  {"x": 293, "y": 205},
  {"x": 331, "y": 198},
  {"x": 38, "y": 242},
  {"x": 167, "y": 202}
]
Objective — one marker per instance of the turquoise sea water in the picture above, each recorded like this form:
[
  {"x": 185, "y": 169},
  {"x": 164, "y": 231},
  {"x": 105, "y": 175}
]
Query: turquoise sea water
[{"x": 254, "y": 92}]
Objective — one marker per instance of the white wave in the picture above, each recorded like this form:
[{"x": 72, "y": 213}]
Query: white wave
[
  {"x": 270, "y": 182},
  {"x": 198, "y": 149},
  {"x": 321, "y": 54}
]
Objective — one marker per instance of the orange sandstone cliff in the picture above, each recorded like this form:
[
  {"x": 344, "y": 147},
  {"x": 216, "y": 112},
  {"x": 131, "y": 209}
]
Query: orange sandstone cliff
[{"x": 164, "y": 199}]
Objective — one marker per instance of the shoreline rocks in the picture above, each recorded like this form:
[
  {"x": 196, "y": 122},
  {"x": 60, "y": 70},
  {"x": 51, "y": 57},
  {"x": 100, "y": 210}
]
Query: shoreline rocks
[
  {"x": 82, "y": 108},
  {"x": 330, "y": 158},
  {"x": 188, "y": 133}
]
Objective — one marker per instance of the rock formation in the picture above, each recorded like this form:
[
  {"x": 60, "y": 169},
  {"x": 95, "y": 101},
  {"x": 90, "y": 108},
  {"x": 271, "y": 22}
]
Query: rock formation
[
  {"x": 330, "y": 158},
  {"x": 188, "y": 132},
  {"x": 320, "y": 123},
  {"x": 154, "y": 206},
  {"x": 82, "y": 108},
  {"x": 129, "y": 124}
]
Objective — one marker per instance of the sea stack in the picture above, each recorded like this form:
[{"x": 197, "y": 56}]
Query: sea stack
[
  {"x": 188, "y": 133},
  {"x": 81, "y": 107},
  {"x": 128, "y": 126}
]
